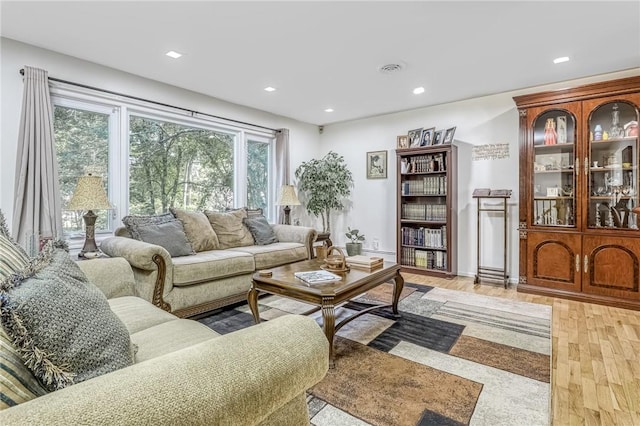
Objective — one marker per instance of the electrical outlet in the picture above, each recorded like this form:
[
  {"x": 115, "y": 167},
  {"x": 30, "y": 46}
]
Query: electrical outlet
[{"x": 375, "y": 244}]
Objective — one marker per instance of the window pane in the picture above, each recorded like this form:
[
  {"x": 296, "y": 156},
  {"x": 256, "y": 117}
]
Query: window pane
[
  {"x": 82, "y": 146},
  {"x": 173, "y": 165},
  {"x": 258, "y": 175}
]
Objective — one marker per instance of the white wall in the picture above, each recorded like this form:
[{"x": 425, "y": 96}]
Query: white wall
[
  {"x": 304, "y": 138},
  {"x": 486, "y": 120}
]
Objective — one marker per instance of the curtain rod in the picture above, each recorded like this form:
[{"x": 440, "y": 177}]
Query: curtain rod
[{"x": 84, "y": 86}]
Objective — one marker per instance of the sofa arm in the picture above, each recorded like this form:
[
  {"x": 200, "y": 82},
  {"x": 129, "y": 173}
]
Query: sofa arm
[
  {"x": 151, "y": 264},
  {"x": 113, "y": 276},
  {"x": 296, "y": 234},
  {"x": 237, "y": 379}
]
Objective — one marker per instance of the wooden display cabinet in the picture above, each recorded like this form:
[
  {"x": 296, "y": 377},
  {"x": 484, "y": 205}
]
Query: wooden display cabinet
[
  {"x": 427, "y": 210},
  {"x": 579, "y": 217}
]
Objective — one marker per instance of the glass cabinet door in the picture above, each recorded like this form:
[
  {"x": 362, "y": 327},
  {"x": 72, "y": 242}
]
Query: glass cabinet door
[
  {"x": 613, "y": 166},
  {"x": 554, "y": 174}
]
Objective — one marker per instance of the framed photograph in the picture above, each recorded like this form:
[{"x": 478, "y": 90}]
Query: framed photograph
[
  {"x": 448, "y": 135},
  {"x": 414, "y": 137},
  {"x": 403, "y": 141},
  {"x": 427, "y": 137},
  {"x": 552, "y": 192},
  {"x": 437, "y": 137},
  {"x": 377, "y": 165}
]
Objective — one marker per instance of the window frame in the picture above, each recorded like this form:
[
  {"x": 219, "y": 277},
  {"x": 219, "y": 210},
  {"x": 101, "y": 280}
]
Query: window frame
[{"x": 122, "y": 108}]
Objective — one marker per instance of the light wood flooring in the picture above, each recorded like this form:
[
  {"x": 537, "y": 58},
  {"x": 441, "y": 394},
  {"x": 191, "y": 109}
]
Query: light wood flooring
[{"x": 595, "y": 355}]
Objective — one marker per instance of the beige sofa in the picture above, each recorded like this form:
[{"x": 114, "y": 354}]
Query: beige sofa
[
  {"x": 187, "y": 374},
  {"x": 191, "y": 285}
]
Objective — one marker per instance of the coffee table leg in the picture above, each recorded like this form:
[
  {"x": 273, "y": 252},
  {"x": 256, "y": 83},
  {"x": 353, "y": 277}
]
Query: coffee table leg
[
  {"x": 397, "y": 289},
  {"x": 329, "y": 324},
  {"x": 252, "y": 299}
]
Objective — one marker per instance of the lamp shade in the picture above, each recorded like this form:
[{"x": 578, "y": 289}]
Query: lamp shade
[
  {"x": 288, "y": 196},
  {"x": 89, "y": 194}
]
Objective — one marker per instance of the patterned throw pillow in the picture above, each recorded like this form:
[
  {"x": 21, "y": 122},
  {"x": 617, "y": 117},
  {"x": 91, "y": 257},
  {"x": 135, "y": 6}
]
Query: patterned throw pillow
[
  {"x": 12, "y": 256},
  {"x": 229, "y": 228},
  {"x": 132, "y": 222},
  {"x": 60, "y": 323},
  {"x": 17, "y": 382},
  {"x": 261, "y": 230},
  {"x": 169, "y": 235},
  {"x": 199, "y": 231}
]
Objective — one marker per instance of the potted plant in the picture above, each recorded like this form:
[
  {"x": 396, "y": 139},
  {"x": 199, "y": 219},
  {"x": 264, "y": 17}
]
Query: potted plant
[
  {"x": 323, "y": 184},
  {"x": 355, "y": 246}
]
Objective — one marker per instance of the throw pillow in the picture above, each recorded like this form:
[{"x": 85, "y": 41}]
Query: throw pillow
[
  {"x": 250, "y": 212},
  {"x": 169, "y": 235},
  {"x": 62, "y": 324},
  {"x": 261, "y": 230},
  {"x": 199, "y": 231},
  {"x": 132, "y": 222},
  {"x": 12, "y": 256},
  {"x": 17, "y": 382},
  {"x": 229, "y": 228}
]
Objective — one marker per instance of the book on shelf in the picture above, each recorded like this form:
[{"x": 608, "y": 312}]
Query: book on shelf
[{"x": 316, "y": 277}]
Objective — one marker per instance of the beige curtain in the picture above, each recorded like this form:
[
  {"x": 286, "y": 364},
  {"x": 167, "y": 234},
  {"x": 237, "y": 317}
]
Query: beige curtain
[
  {"x": 37, "y": 211},
  {"x": 282, "y": 167}
]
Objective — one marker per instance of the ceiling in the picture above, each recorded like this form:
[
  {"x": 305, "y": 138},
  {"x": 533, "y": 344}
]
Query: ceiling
[{"x": 322, "y": 55}]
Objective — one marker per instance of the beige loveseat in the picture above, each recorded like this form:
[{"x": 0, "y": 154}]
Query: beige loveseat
[
  {"x": 185, "y": 373},
  {"x": 190, "y": 285}
]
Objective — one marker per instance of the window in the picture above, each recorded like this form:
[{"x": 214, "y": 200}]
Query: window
[
  {"x": 154, "y": 159},
  {"x": 82, "y": 133}
]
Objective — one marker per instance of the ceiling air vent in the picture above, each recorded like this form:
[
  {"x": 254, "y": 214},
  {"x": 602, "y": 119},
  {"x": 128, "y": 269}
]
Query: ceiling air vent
[{"x": 390, "y": 68}]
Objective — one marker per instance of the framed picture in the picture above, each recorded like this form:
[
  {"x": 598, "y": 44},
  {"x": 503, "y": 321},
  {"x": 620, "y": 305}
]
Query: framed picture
[
  {"x": 414, "y": 137},
  {"x": 427, "y": 137},
  {"x": 448, "y": 135},
  {"x": 377, "y": 165},
  {"x": 562, "y": 128},
  {"x": 403, "y": 141},
  {"x": 437, "y": 137}
]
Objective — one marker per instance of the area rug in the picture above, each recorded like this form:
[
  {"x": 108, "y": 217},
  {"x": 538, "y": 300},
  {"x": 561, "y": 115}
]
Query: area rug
[{"x": 452, "y": 358}]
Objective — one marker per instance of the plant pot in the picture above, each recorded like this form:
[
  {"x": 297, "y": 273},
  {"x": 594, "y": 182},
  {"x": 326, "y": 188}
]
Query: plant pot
[{"x": 354, "y": 249}]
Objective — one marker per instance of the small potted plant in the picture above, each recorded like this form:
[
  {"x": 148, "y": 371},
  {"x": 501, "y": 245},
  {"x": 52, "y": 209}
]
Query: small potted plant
[{"x": 355, "y": 246}]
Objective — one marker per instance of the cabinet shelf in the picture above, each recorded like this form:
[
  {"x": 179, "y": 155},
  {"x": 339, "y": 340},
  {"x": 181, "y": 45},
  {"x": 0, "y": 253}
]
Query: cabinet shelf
[
  {"x": 427, "y": 246},
  {"x": 542, "y": 172},
  {"x": 614, "y": 140}
]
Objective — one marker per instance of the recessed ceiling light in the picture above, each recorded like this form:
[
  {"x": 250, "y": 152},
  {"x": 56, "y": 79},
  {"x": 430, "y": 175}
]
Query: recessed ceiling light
[
  {"x": 328, "y": 110},
  {"x": 172, "y": 54},
  {"x": 270, "y": 89},
  {"x": 561, "y": 60},
  {"x": 418, "y": 90}
]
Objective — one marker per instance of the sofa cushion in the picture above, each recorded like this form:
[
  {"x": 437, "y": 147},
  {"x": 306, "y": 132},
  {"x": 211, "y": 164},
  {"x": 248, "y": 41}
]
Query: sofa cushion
[
  {"x": 210, "y": 265},
  {"x": 12, "y": 258},
  {"x": 229, "y": 228},
  {"x": 132, "y": 222},
  {"x": 137, "y": 314},
  {"x": 198, "y": 229},
  {"x": 169, "y": 337},
  {"x": 61, "y": 323},
  {"x": 169, "y": 235},
  {"x": 261, "y": 230},
  {"x": 17, "y": 382},
  {"x": 275, "y": 254}
]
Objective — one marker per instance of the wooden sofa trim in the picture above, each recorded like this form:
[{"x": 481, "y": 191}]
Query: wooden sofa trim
[
  {"x": 210, "y": 306},
  {"x": 159, "y": 286}
]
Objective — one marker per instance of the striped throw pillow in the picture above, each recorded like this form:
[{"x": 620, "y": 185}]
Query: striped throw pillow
[
  {"x": 17, "y": 383},
  {"x": 12, "y": 257}
]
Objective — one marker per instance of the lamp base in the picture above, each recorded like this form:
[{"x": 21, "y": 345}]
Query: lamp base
[
  {"x": 89, "y": 241},
  {"x": 287, "y": 216}
]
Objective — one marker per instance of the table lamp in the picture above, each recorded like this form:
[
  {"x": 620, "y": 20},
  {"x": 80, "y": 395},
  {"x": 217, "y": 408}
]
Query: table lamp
[
  {"x": 89, "y": 195},
  {"x": 288, "y": 198}
]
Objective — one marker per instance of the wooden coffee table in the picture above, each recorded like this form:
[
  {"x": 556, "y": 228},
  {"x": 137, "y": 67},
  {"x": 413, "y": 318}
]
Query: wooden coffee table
[{"x": 327, "y": 296}]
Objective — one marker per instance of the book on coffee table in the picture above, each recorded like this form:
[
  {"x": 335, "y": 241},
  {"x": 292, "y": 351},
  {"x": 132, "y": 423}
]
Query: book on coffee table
[
  {"x": 316, "y": 277},
  {"x": 365, "y": 263}
]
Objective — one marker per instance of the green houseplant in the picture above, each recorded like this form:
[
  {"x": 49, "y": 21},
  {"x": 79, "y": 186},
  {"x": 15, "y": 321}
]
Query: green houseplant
[
  {"x": 355, "y": 246},
  {"x": 324, "y": 184}
]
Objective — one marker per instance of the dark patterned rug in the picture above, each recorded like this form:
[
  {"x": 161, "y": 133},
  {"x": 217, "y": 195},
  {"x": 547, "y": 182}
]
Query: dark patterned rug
[{"x": 452, "y": 358}]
